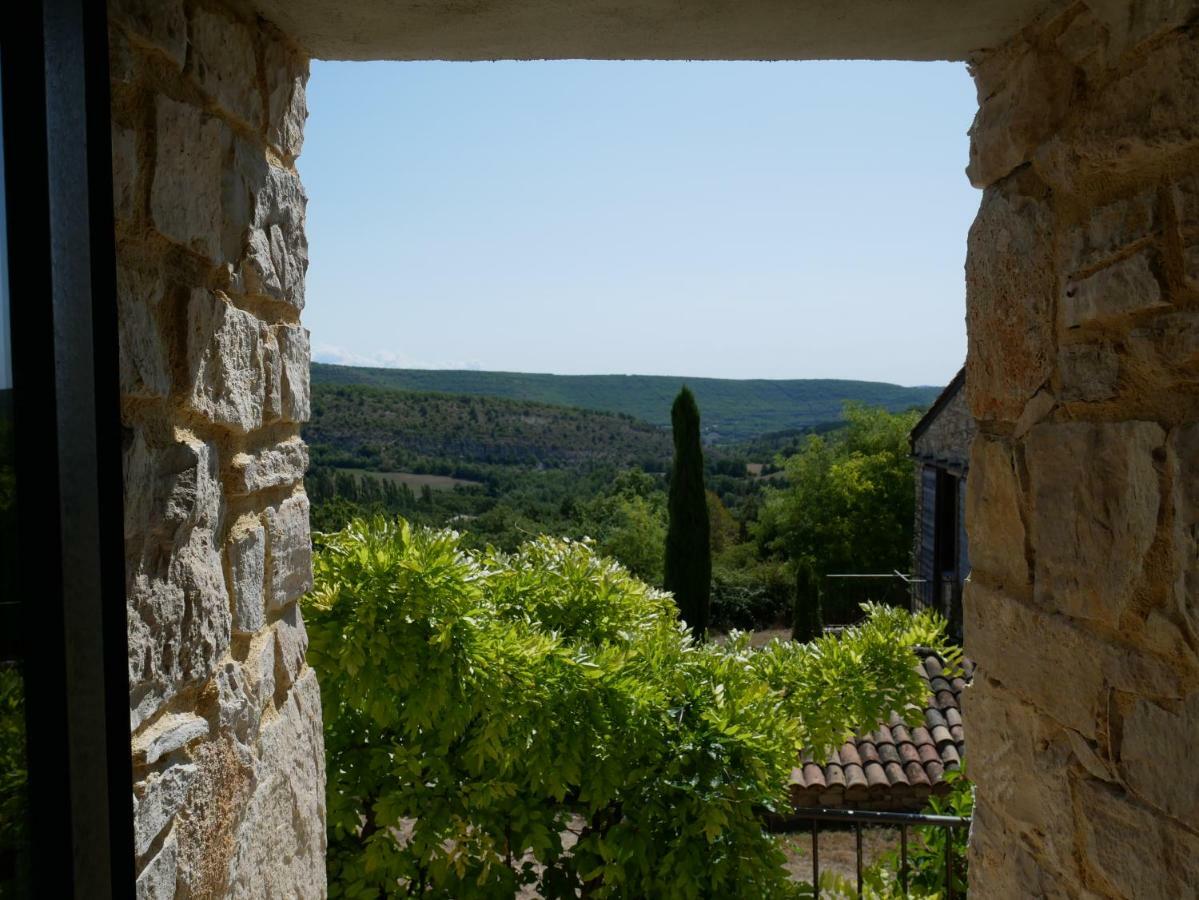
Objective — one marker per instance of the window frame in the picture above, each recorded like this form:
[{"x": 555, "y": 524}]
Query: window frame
[{"x": 70, "y": 629}]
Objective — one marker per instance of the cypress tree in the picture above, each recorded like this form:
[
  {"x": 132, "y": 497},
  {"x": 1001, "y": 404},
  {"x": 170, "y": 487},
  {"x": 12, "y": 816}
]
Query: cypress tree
[
  {"x": 807, "y": 616},
  {"x": 688, "y": 570}
]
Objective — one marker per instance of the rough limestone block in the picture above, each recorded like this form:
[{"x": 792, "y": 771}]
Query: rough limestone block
[
  {"x": 223, "y": 64},
  {"x": 1084, "y": 42},
  {"x": 260, "y": 668},
  {"x": 144, "y": 362},
  {"x": 276, "y": 248},
  {"x": 1001, "y": 866},
  {"x": 157, "y": 878},
  {"x": 1095, "y": 496},
  {"x": 122, "y": 59},
  {"x": 1170, "y": 341},
  {"x": 177, "y": 604},
  {"x": 1127, "y": 286},
  {"x": 291, "y": 644},
  {"x": 1186, "y": 204},
  {"x": 285, "y": 817},
  {"x": 283, "y": 464},
  {"x": 1036, "y": 410},
  {"x": 1110, "y": 228},
  {"x": 156, "y": 801},
  {"x": 1010, "y": 284},
  {"x": 1184, "y": 453},
  {"x": 295, "y": 363},
  {"x": 185, "y": 199},
  {"x": 289, "y": 559},
  {"x": 1131, "y": 24},
  {"x": 245, "y": 560},
  {"x": 237, "y": 715},
  {"x": 287, "y": 106},
  {"x": 1190, "y": 261},
  {"x": 1128, "y": 850},
  {"x": 160, "y": 25},
  {"x": 1072, "y": 695},
  {"x": 1132, "y": 120},
  {"x": 1157, "y": 756},
  {"x": 1021, "y": 104},
  {"x": 1018, "y": 761},
  {"x": 168, "y": 733},
  {"x": 216, "y": 805},
  {"x": 993, "y": 504},
  {"x": 124, "y": 171},
  {"x": 226, "y": 362},
  {"x": 1089, "y": 372}
]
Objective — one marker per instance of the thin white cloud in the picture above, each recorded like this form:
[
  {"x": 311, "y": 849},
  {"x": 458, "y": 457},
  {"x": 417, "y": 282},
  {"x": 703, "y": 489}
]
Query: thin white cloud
[{"x": 385, "y": 359}]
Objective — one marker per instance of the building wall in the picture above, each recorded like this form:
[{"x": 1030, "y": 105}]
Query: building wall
[
  {"x": 207, "y": 120},
  {"x": 946, "y": 441},
  {"x": 1083, "y": 506}
]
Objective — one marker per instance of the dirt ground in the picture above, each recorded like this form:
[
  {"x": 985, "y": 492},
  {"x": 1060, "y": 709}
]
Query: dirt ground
[
  {"x": 837, "y": 851},
  {"x": 757, "y": 638}
]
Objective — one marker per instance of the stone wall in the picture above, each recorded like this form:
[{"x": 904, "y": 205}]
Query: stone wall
[
  {"x": 946, "y": 439},
  {"x": 207, "y": 120},
  {"x": 1083, "y": 499}
]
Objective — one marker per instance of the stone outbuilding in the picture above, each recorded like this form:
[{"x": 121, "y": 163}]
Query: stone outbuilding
[{"x": 941, "y": 444}]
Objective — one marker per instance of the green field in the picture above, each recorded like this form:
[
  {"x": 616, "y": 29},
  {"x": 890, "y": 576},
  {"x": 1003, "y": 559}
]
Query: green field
[{"x": 733, "y": 410}]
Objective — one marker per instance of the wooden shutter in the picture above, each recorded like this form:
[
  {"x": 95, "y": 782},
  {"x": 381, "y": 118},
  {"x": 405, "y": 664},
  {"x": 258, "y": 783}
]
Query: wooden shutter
[
  {"x": 926, "y": 560},
  {"x": 963, "y": 545}
]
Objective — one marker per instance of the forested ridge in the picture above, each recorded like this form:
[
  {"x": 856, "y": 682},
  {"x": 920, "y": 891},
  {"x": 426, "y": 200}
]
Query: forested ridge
[
  {"x": 391, "y": 430},
  {"x": 733, "y": 409}
]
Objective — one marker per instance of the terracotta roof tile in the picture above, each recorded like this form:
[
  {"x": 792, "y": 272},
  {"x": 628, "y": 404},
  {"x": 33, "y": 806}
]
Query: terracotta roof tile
[
  {"x": 915, "y": 773},
  {"x": 928, "y": 753},
  {"x": 894, "y": 766},
  {"x": 854, "y": 776},
  {"x": 895, "y": 774},
  {"x": 813, "y": 775},
  {"x": 876, "y": 777},
  {"x": 888, "y": 753},
  {"x": 849, "y": 754}
]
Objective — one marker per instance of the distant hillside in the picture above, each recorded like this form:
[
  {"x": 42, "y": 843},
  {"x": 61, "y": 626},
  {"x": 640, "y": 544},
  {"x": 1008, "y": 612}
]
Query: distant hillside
[
  {"x": 358, "y": 426},
  {"x": 732, "y": 410}
]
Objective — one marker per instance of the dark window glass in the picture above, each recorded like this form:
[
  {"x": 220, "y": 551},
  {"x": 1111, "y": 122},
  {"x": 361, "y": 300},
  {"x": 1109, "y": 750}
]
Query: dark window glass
[{"x": 14, "y": 831}]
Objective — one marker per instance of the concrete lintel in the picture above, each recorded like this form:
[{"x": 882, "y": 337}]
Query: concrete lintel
[{"x": 649, "y": 29}]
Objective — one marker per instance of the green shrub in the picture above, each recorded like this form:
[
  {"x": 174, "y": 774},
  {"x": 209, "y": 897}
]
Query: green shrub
[
  {"x": 749, "y": 599},
  {"x": 483, "y": 711},
  {"x": 927, "y": 873}
]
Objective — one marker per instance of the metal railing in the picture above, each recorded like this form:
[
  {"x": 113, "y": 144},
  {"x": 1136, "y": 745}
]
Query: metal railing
[
  {"x": 843, "y": 594},
  {"x": 858, "y": 819}
]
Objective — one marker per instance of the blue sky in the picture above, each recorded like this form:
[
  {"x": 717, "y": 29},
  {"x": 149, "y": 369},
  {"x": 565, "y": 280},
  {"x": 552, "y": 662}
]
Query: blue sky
[{"x": 741, "y": 220}]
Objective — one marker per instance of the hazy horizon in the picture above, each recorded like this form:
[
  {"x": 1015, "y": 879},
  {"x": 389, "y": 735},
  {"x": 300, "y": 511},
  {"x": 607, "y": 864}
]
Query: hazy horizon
[
  {"x": 672, "y": 375},
  {"x": 731, "y": 220}
]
